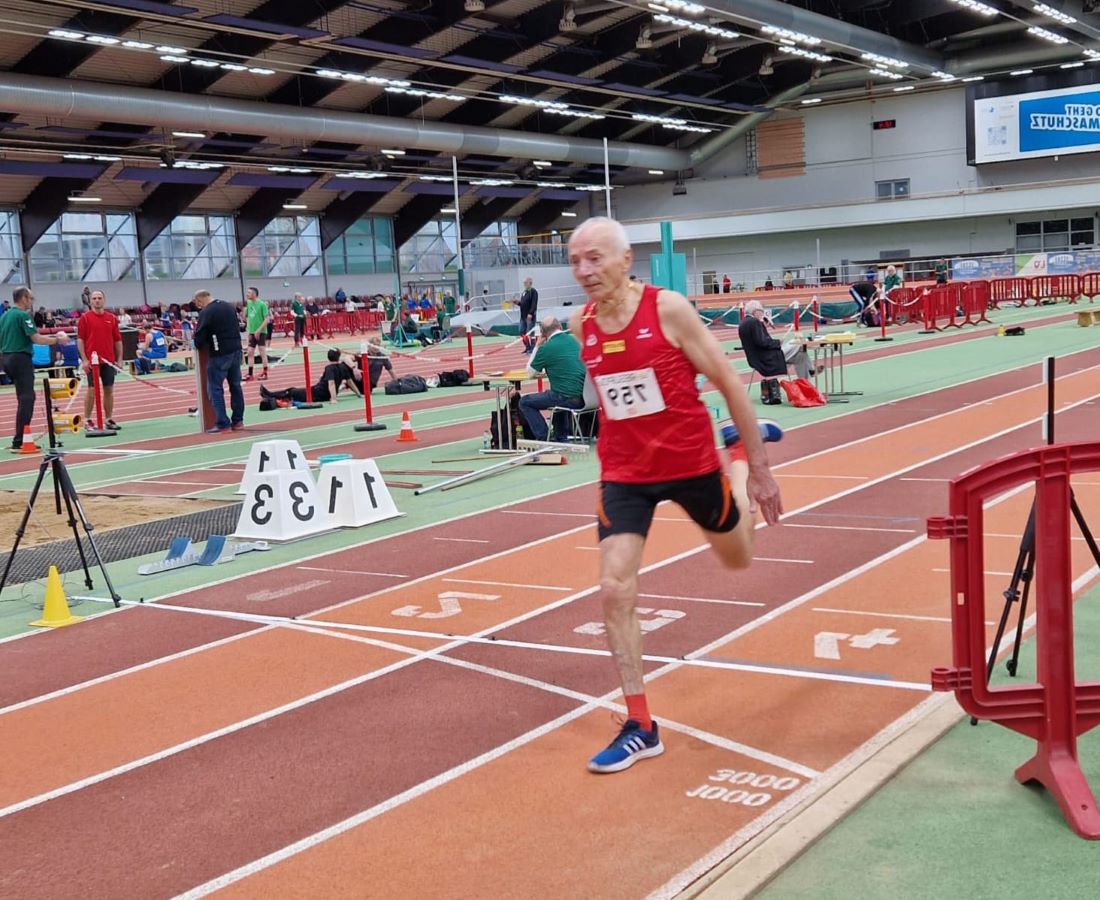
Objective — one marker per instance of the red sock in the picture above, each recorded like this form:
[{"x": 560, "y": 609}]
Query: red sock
[{"x": 638, "y": 710}]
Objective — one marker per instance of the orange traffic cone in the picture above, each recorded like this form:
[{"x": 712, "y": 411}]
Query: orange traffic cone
[
  {"x": 406, "y": 435},
  {"x": 28, "y": 446}
]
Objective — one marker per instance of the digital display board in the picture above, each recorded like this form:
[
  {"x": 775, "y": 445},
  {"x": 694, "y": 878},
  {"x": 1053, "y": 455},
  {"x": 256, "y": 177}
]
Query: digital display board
[{"x": 1042, "y": 123}]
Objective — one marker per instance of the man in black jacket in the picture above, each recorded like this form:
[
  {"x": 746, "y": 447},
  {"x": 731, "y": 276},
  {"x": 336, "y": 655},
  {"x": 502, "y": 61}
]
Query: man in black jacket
[
  {"x": 528, "y": 313},
  {"x": 219, "y": 333},
  {"x": 763, "y": 352}
]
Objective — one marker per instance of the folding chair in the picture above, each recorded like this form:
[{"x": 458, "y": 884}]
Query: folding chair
[{"x": 576, "y": 429}]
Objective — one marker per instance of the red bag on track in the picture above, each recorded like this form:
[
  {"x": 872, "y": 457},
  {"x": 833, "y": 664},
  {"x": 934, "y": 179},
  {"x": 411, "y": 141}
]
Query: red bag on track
[{"x": 801, "y": 393}]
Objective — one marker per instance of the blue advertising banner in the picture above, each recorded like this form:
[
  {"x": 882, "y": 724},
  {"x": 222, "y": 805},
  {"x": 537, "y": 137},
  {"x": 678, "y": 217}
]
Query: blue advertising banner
[
  {"x": 1062, "y": 263},
  {"x": 1060, "y": 122},
  {"x": 973, "y": 269}
]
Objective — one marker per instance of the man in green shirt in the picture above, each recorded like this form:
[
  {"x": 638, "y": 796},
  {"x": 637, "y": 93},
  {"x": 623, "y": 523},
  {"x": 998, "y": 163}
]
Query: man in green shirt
[
  {"x": 558, "y": 354},
  {"x": 17, "y": 334},
  {"x": 298, "y": 311},
  {"x": 256, "y": 318}
]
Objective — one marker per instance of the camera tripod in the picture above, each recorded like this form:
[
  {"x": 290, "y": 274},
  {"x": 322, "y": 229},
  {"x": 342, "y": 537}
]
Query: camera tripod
[
  {"x": 63, "y": 490},
  {"x": 1024, "y": 569}
]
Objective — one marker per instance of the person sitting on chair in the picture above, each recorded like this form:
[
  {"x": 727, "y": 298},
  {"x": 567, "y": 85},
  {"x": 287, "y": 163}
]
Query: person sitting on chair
[
  {"x": 558, "y": 354},
  {"x": 337, "y": 373},
  {"x": 412, "y": 330},
  {"x": 155, "y": 349},
  {"x": 768, "y": 356}
]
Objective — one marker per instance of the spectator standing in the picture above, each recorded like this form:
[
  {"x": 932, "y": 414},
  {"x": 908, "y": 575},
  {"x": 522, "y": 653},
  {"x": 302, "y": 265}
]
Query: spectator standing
[
  {"x": 125, "y": 320},
  {"x": 97, "y": 332},
  {"x": 558, "y": 354},
  {"x": 941, "y": 272},
  {"x": 256, "y": 318},
  {"x": 313, "y": 308},
  {"x": 219, "y": 333},
  {"x": 85, "y": 299},
  {"x": 726, "y": 284},
  {"x": 42, "y": 319},
  {"x": 298, "y": 312},
  {"x": 340, "y": 296},
  {"x": 768, "y": 284},
  {"x": 528, "y": 314},
  {"x": 889, "y": 283},
  {"x": 17, "y": 334}
]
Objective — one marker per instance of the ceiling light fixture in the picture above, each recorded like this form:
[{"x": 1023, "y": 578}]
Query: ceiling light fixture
[
  {"x": 234, "y": 67},
  {"x": 77, "y": 199},
  {"x": 667, "y": 122},
  {"x": 541, "y": 163},
  {"x": 905, "y": 87},
  {"x": 166, "y": 48},
  {"x": 568, "y": 21},
  {"x": 420, "y": 92},
  {"x": 981, "y": 9},
  {"x": 805, "y": 54},
  {"x": 570, "y": 215},
  {"x": 205, "y": 63},
  {"x": 362, "y": 176},
  {"x": 700, "y": 27},
  {"x": 295, "y": 206},
  {"x": 691, "y": 9},
  {"x": 447, "y": 210},
  {"x": 256, "y": 70},
  {"x": 168, "y": 57},
  {"x": 551, "y": 106},
  {"x": 474, "y": 6},
  {"x": 297, "y": 170},
  {"x": 1051, "y": 13},
  {"x": 137, "y": 45},
  {"x": 656, "y": 171},
  {"x": 1073, "y": 65},
  {"x": 65, "y": 34},
  {"x": 491, "y": 182},
  {"x": 796, "y": 36},
  {"x": 444, "y": 178},
  {"x": 884, "y": 60},
  {"x": 189, "y": 134},
  {"x": 1021, "y": 72},
  {"x": 1047, "y": 35},
  {"x": 104, "y": 39},
  {"x": 387, "y": 152},
  {"x": 1092, "y": 54},
  {"x": 645, "y": 39},
  {"x": 973, "y": 78},
  {"x": 882, "y": 73},
  {"x": 811, "y": 101}
]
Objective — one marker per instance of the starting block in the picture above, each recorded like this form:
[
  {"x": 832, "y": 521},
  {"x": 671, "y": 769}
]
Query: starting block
[{"x": 218, "y": 549}]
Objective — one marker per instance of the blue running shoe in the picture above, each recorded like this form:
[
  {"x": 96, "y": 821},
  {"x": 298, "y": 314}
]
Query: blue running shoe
[
  {"x": 631, "y": 745},
  {"x": 770, "y": 432}
]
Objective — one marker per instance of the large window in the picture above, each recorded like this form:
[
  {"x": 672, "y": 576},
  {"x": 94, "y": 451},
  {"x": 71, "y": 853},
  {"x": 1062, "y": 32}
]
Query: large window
[
  {"x": 1051, "y": 235},
  {"x": 892, "y": 190},
  {"x": 365, "y": 248},
  {"x": 193, "y": 247},
  {"x": 11, "y": 248},
  {"x": 288, "y": 246},
  {"x": 87, "y": 246},
  {"x": 432, "y": 249}
]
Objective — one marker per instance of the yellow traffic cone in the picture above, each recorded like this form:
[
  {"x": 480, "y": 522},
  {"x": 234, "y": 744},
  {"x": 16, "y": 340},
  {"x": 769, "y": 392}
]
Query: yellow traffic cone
[{"x": 55, "y": 613}]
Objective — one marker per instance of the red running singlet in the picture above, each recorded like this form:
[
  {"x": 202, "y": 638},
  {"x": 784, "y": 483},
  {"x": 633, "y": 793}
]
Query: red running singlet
[{"x": 653, "y": 426}]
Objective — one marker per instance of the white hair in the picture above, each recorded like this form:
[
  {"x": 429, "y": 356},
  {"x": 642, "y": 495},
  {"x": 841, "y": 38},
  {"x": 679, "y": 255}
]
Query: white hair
[
  {"x": 619, "y": 236},
  {"x": 752, "y": 306}
]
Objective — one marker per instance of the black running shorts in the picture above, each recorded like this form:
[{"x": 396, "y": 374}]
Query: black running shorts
[
  {"x": 628, "y": 508},
  {"x": 257, "y": 340},
  {"x": 106, "y": 374}
]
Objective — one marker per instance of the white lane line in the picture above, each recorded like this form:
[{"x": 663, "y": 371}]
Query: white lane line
[
  {"x": 815, "y": 477},
  {"x": 529, "y": 512},
  {"x": 701, "y": 599},
  {"x": 462, "y": 540},
  {"x": 541, "y": 587},
  {"x": 852, "y": 528},
  {"x": 160, "y": 660},
  {"x": 987, "y": 572},
  {"x": 351, "y": 572},
  {"x": 878, "y": 615},
  {"x": 585, "y": 547},
  {"x": 802, "y": 562}
]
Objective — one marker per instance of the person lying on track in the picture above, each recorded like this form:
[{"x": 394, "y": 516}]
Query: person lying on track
[
  {"x": 643, "y": 347},
  {"x": 337, "y": 373}
]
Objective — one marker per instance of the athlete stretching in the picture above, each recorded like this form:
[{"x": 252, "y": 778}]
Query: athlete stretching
[{"x": 643, "y": 347}]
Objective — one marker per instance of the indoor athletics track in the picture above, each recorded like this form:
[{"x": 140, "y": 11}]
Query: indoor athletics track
[{"x": 422, "y": 725}]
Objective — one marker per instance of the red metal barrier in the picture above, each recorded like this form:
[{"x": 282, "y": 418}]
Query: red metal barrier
[
  {"x": 1055, "y": 287},
  {"x": 975, "y": 302},
  {"x": 1056, "y": 709},
  {"x": 1090, "y": 285},
  {"x": 1010, "y": 290}
]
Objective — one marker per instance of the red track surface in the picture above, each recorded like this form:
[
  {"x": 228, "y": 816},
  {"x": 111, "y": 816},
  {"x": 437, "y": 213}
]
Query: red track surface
[{"x": 339, "y": 763}]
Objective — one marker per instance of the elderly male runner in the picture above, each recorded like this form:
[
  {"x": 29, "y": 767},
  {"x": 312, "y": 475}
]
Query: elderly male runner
[{"x": 643, "y": 347}]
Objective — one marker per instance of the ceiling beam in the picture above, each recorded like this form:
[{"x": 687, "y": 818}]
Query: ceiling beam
[
  {"x": 414, "y": 215},
  {"x": 259, "y": 210},
  {"x": 161, "y": 206}
]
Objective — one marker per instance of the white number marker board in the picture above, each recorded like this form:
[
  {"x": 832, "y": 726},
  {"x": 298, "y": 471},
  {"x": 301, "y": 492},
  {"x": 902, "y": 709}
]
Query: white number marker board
[
  {"x": 272, "y": 456},
  {"x": 281, "y": 506},
  {"x": 354, "y": 494}
]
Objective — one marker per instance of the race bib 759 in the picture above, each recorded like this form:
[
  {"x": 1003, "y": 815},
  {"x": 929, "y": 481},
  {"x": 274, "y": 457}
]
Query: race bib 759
[{"x": 628, "y": 395}]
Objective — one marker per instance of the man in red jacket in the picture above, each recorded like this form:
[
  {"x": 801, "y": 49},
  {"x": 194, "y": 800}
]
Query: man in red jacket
[
  {"x": 643, "y": 347},
  {"x": 97, "y": 332}
]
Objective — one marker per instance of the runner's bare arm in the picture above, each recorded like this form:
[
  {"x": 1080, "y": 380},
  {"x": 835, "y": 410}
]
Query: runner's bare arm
[{"x": 683, "y": 328}]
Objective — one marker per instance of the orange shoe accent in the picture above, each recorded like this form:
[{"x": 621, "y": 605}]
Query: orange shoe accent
[
  {"x": 406, "y": 435},
  {"x": 28, "y": 446}
]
